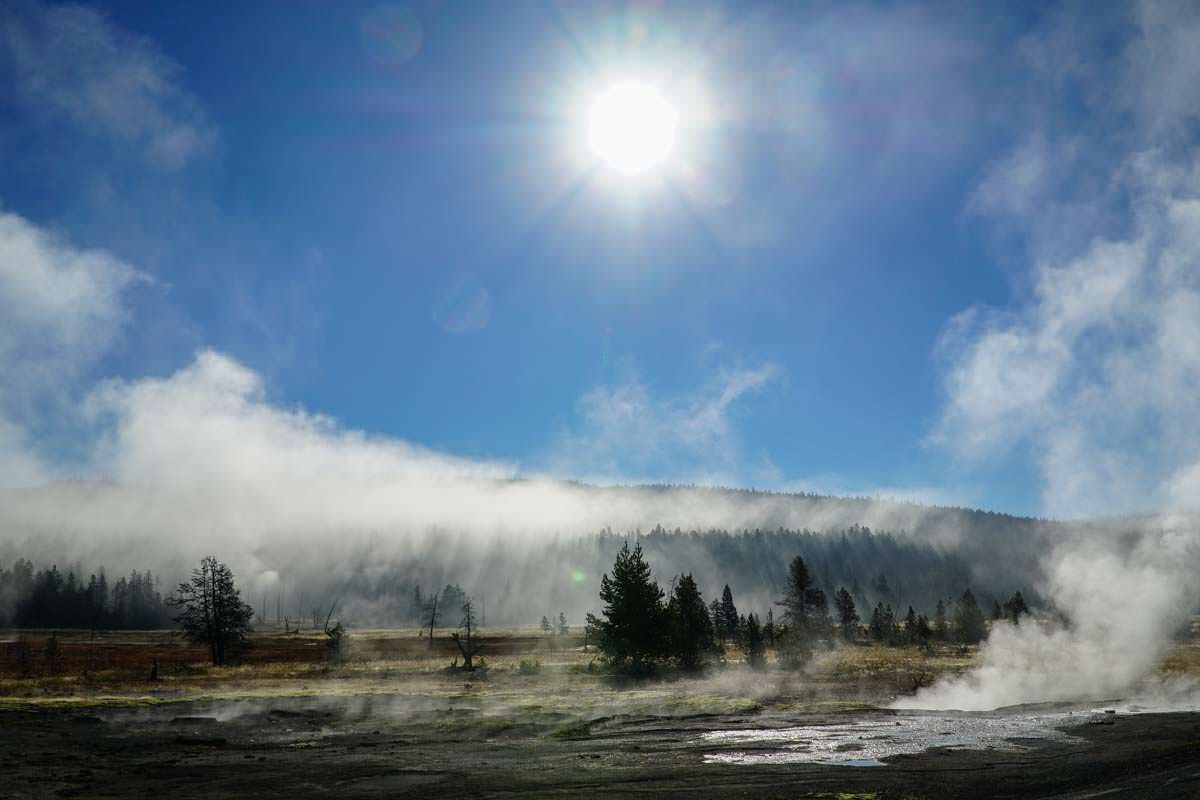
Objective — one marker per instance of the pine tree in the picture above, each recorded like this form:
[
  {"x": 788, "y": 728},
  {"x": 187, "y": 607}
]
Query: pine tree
[
  {"x": 970, "y": 626},
  {"x": 877, "y": 625},
  {"x": 847, "y": 614},
  {"x": 729, "y": 615},
  {"x": 633, "y": 631},
  {"x": 1015, "y": 608},
  {"x": 212, "y": 610},
  {"x": 910, "y": 626},
  {"x": 804, "y": 611},
  {"x": 924, "y": 633},
  {"x": 756, "y": 651},
  {"x": 691, "y": 628},
  {"x": 716, "y": 614},
  {"x": 940, "y": 631}
]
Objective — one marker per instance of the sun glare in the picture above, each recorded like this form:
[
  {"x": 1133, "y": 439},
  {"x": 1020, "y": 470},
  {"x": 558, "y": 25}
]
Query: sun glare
[{"x": 632, "y": 127}]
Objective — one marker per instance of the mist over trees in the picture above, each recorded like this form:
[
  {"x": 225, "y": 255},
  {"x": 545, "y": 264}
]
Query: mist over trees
[
  {"x": 48, "y": 598},
  {"x": 521, "y": 584},
  {"x": 856, "y": 565}
]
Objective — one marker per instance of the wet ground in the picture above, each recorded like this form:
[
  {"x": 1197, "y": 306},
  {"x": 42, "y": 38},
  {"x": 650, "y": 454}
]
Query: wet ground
[{"x": 375, "y": 746}]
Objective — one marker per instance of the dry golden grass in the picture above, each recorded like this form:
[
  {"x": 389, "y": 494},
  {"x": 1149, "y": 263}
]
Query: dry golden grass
[{"x": 391, "y": 661}]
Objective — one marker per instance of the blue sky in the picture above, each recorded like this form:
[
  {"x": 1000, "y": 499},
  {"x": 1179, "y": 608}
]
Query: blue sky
[{"x": 408, "y": 236}]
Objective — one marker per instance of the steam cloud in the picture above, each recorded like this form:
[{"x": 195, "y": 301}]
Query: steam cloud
[{"x": 1098, "y": 373}]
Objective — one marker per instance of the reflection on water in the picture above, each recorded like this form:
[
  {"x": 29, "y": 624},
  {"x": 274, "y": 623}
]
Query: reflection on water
[{"x": 865, "y": 743}]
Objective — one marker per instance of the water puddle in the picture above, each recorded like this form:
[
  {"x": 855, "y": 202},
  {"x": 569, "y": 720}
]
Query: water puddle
[{"x": 865, "y": 743}]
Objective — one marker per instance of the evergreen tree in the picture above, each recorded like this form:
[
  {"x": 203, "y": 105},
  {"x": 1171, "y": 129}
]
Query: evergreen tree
[
  {"x": 940, "y": 631},
  {"x": 729, "y": 615},
  {"x": 633, "y": 630},
  {"x": 970, "y": 627},
  {"x": 997, "y": 613},
  {"x": 924, "y": 633},
  {"x": 804, "y": 607},
  {"x": 691, "y": 628},
  {"x": 212, "y": 611},
  {"x": 1015, "y": 608},
  {"x": 769, "y": 629},
  {"x": 847, "y": 614},
  {"x": 717, "y": 614},
  {"x": 546, "y": 626},
  {"x": 883, "y": 624},
  {"x": 756, "y": 651},
  {"x": 563, "y": 628},
  {"x": 891, "y": 630},
  {"x": 910, "y": 626}
]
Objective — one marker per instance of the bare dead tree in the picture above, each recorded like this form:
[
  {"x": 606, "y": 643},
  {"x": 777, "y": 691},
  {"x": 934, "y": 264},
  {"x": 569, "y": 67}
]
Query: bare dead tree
[
  {"x": 468, "y": 645},
  {"x": 336, "y": 639},
  {"x": 433, "y": 613}
]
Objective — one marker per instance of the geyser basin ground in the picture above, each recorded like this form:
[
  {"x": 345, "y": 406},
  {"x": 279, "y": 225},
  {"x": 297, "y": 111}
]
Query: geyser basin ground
[
  {"x": 868, "y": 741},
  {"x": 396, "y": 725}
]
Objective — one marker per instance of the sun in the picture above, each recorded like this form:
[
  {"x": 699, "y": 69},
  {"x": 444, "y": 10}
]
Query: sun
[{"x": 632, "y": 127}]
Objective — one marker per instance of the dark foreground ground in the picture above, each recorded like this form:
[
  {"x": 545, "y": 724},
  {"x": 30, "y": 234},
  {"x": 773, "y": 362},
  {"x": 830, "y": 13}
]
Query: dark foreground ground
[{"x": 307, "y": 747}]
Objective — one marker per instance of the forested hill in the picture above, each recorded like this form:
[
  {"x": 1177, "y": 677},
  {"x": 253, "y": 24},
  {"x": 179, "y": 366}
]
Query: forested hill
[
  {"x": 886, "y": 551},
  {"x": 515, "y": 585}
]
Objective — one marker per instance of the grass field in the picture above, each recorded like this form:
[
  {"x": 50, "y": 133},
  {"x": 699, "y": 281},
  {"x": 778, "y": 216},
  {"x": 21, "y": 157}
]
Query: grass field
[
  {"x": 542, "y": 720},
  {"x": 117, "y": 665}
]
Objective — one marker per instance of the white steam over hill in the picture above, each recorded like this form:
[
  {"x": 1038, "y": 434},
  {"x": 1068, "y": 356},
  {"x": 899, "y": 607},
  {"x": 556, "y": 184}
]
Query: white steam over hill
[{"x": 531, "y": 547}]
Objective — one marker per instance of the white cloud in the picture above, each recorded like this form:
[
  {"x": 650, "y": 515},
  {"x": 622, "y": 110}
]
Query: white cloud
[
  {"x": 1098, "y": 371},
  {"x": 212, "y": 422},
  {"x": 69, "y": 61},
  {"x": 626, "y": 434},
  {"x": 62, "y": 305},
  {"x": 62, "y": 309}
]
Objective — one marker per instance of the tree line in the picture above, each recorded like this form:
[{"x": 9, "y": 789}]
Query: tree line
[
  {"x": 523, "y": 580},
  {"x": 47, "y": 598},
  {"x": 641, "y": 626}
]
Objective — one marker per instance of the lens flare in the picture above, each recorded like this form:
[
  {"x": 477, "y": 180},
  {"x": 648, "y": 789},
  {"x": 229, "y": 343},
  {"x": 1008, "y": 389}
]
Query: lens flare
[{"x": 632, "y": 127}]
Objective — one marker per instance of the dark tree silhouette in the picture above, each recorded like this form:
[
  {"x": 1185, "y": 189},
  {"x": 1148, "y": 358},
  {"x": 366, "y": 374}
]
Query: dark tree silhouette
[
  {"x": 728, "y": 621},
  {"x": 212, "y": 611},
  {"x": 431, "y": 617},
  {"x": 941, "y": 630},
  {"x": 468, "y": 643},
  {"x": 1015, "y": 608},
  {"x": 691, "y": 630},
  {"x": 756, "y": 649},
  {"x": 970, "y": 627},
  {"x": 633, "y": 631},
  {"x": 847, "y": 614},
  {"x": 923, "y": 634},
  {"x": 804, "y": 611}
]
